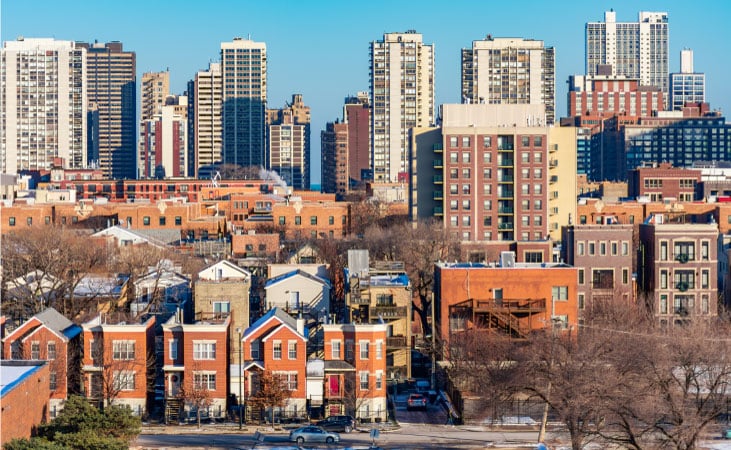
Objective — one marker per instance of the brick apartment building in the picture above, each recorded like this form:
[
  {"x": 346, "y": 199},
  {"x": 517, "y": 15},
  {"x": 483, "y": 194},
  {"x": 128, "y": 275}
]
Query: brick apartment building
[
  {"x": 659, "y": 182},
  {"x": 118, "y": 362},
  {"x": 513, "y": 298},
  {"x": 195, "y": 358},
  {"x": 24, "y": 395}
]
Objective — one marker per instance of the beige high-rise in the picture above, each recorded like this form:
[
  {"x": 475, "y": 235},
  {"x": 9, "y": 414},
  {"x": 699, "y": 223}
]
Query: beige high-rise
[
  {"x": 155, "y": 88},
  {"x": 510, "y": 71},
  {"x": 402, "y": 97},
  {"x": 205, "y": 100}
]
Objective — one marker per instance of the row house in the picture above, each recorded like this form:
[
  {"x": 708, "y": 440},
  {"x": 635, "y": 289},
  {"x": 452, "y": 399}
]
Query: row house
[
  {"x": 119, "y": 361},
  {"x": 276, "y": 343},
  {"x": 355, "y": 371},
  {"x": 49, "y": 336},
  {"x": 382, "y": 294},
  {"x": 510, "y": 297},
  {"x": 195, "y": 366},
  {"x": 678, "y": 273},
  {"x": 224, "y": 290},
  {"x": 604, "y": 257}
]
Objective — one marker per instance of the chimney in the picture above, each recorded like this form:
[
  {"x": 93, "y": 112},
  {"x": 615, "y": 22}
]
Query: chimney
[{"x": 301, "y": 326}]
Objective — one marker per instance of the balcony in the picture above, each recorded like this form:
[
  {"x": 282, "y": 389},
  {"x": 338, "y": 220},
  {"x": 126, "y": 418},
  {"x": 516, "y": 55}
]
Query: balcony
[
  {"x": 505, "y": 162},
  {"x": 505, "y": 178},
  {"x": 389, "y": 312},
  {"x": 683, "y": 258},
  {"x": 683, "y": 286},
  {"x": 438, "y": 195},
  {"x": 438, "y": 179},
  {"x": 505, "y": 226},
  {"x": 437, "y": 163},
  {"x": 438, "y": 211},
  {"x": 437, "y": 148},
  {"x": 395, "y": 342},
  {"x": 553, "y": 163},
  {"x": 505, "y": 193},
  {"x": 505, "y": 210}
]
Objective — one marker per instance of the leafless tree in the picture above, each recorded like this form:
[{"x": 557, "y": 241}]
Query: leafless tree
[
  {"x": 270, "y": 392},
  {"x": 194, "y": 392}
]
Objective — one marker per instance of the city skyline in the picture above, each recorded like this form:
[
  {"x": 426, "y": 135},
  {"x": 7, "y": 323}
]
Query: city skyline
[{"x": 326, "y": 58}]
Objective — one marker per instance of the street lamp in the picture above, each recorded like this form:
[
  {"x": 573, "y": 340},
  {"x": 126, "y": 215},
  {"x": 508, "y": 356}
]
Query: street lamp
[{"x": 239, "y": 331}]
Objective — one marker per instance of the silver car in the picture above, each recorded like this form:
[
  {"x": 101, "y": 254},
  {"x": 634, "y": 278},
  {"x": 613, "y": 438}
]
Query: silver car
[{"x": 313, "y": 434}]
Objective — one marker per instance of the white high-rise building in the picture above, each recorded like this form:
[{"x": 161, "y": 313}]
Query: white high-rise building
[
  {"x": 510, "y": 71},
  {"x": 244, "y": 75},
  {"x": 43, "y": 104},
  {"x": 633, "y": 49},
  {"x": 205, "y": 123},
  {"x": 686, "y": 86},
  {"x": 402, "y": 97}
]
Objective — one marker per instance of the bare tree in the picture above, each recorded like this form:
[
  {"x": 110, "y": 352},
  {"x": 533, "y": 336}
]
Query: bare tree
[
  {"x": 195, "y": 392},
  {"x": 271, "y": 392}
]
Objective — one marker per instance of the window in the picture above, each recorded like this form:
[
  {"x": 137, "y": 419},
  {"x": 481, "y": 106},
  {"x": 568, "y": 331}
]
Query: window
[
  {"x": 47, "y": 220},
  {"x": 465, "y": 157},
  {"x": 52, "y": 383},
  {"x": 298, "y": 220},
  {"x": 254, "y": 347},
  {"x": 221, "y": 307},
  {"x": 465, "y": 221},
  {"x": 582, "y": 302},
  {"x": 684, "y": 280},
  {"x": 466, "y": 205},
  {"x": 349, "y": 350},
  {"x": 592, "y": 248},
  {"x": 379, "y": 379},
  {"x": 663, "y": 279},
  {"x": 453, "y": 173},
  {"x": 705, "y": 277},
  {"x": 123, "y": 350},
  {"x": 537, "y": 141},
  {"x": 465, "y": 141},
  {"x": 704, "y": 251},
  {"x": 487, "y": 173},
  {"x": 205, "y": 380},
  {"x": 331, "y": 220},
  {"x": 292, "y": 349},
  {"x": 29, "y": 221},
  {"x": 162, "y": 221},
  {"x": 313, "y": 220},
  {"x": 602, "y": 279},
  {"x": 663, "y": 303},
  {"x": 35, "y": 350},
  {"x": 580, "y": 248},
  {"x": 364, "y": 381},
  {"x": 146, "y": 221},
  {"x": 364, "y": 349},
  {"x": 525, "y": 141},
  {"x": 537, "y": 188},
  {"x": 704, "y": 304},
  {"x": 487, "y": 205},
  {"x": 537, "y": 157},
  {"x": 379, "y": 349},
  {"x": 534, "y": 257},
  {"x": 453, "y": 141},
  {"x": 625, "y": 248},
  {"x": 602, "y": 248},
  {"x": 453, "y": 205},
  {"x": 538, "y": 205},
  {"x": 525, "y": 189},
  {"x": 454, "y": 188},
  {"x": 581, "y": 276},
  {"x": 277, "y": 354},
  {"x": 124, "y": 380},
  {"x": 466, "y": 174},
  {"x": 178, "y": 220},
  {"x": 487, "y": 141},
  {"x": 204, "y": 350},
  {"x": 335, "y": 346},
  {"x": 615, "y": 248},
  {"x": 560, "y": 292},
  {"x": 282, "y": 220},
  {"x": 51, "y": 351},
  {"x": 11, "y": 221},
  {"x": 487, "y": 157},
  {"x": 537, "y": 174},
  {"x": 173, "y": 349},
  {"x": 289, "y": 379},
  {"x": 538, "y": 221},
  {"x": 454, "y": 157},
  {"x": 524, "y": 173},
  {"x": 625, "y": 276},
  {"x": 466, "y": 189},
  {"x": 663, "y": 251},
  {"x": 684, "y": 251},
  {"x": 525, "y": 205}
]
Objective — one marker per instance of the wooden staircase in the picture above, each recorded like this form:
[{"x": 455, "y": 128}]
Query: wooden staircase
[{"x": 172, "y": 410}]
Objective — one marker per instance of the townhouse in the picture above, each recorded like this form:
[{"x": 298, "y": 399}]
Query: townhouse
[
  {"x": 49, "y": 336},
  {"x": 119, "y": 361}
]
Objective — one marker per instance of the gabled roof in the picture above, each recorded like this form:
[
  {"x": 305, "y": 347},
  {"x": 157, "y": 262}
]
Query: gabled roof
[
  {"x": 229, "y": 265},
  {"x": 54, "y": 321},
  {"x": 277, "y": 314},
  {"x": 121, "y": 233},
  {"x": 285, "y": 276}
]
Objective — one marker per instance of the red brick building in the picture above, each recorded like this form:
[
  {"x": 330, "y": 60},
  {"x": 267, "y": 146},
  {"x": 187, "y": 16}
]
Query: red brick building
[
  {"x": 52, "y": 337},
  {"x": 662, "y": 181},
  {"x": 277, "y": 343},
  {"x": 355, "y": 371},
  {"x": 533, "y": 296},
  {"x": 195, "y": 359},
  {"x": 118, "y": 361},
  {"x": 24, "y": 397}
]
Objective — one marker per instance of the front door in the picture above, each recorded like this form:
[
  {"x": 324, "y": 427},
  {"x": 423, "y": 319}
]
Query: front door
[{"x": 174, "y": 384}]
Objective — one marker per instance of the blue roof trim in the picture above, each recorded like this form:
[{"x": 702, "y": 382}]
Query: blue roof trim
[
  {"x": 9, "y": 387},
  {"x": 72, "y": 331}
]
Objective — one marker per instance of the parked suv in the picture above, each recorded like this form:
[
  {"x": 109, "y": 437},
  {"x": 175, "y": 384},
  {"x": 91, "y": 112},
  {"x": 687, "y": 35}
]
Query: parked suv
[
  {"x": 416, "y": 401},
  {"x": 346, "y": 424}
]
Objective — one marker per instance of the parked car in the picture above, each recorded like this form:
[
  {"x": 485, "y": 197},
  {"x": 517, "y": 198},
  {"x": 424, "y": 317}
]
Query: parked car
[
  {"x": 313, "y": 434},
  {"x": 346, "y": 424},
  {"x": 416, "y": 401}
]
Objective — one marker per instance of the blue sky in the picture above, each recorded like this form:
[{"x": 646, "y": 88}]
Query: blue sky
[{"x": 320, "y": 48}]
